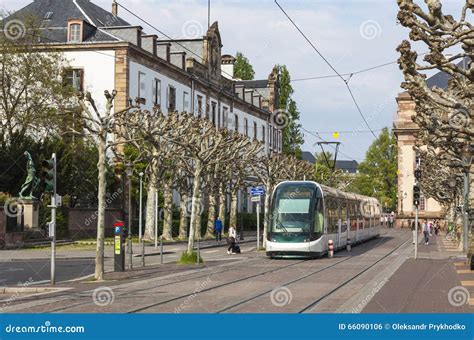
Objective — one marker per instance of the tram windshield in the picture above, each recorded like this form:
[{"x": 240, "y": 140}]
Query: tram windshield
[{"x": 293, "y": 208}]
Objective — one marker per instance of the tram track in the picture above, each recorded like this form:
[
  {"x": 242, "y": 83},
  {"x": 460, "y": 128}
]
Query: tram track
[
  {"x": 183, "y": 296},
  {"x": 256, "y": 296},
  {"x": 81, "y": 294},
  {"x": 352, "y": 278}
]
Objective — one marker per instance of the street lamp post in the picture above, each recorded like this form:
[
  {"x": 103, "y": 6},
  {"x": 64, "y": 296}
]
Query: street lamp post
[
  {"x": 140, "y": 237},
  {"x": 466, "y": 162},
  {"x": 129, "y": 172}
]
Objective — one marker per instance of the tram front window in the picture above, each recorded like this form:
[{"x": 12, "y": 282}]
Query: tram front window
[{"x": 293, "y": 210}]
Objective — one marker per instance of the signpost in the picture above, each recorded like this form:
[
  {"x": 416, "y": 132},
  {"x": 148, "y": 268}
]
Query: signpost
[
  {"x": 119, "y": 247},
  {"x": 257, "y": 193}
]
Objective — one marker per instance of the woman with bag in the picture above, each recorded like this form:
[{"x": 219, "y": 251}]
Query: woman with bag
[{"x": 232, "y": 237}]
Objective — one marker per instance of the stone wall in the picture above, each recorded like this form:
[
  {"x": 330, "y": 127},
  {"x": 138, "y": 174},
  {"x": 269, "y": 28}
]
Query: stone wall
[{"x": 82, "y": 222}]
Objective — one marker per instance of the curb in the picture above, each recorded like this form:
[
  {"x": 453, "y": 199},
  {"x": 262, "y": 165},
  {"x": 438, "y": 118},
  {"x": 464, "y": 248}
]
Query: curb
[{"x": 26, "y": 290}]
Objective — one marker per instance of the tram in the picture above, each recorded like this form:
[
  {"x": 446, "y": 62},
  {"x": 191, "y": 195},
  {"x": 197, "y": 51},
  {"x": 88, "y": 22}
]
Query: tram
[{"x": 305, "y": 215}]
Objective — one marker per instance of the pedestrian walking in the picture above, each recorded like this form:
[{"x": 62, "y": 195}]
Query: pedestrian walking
[
  {"x": 426, "y": 232},
  {"x": 413, "y": 230},
  {"x": 218, "y": 229},
  {"x": 232, "y": 238},
  {"x": 391, "y": 219}
]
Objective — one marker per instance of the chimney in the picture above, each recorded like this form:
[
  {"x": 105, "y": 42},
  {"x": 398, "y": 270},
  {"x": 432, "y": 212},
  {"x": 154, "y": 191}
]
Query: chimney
[
  {"x": 114, "y": 8},
  {"x": 227, "y": 67}
]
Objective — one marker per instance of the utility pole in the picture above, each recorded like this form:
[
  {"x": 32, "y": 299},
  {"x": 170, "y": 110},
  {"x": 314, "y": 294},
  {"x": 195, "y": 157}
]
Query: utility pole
[
  {"x": 50, "y": 181},
  {"x": 416, "y": 200}
]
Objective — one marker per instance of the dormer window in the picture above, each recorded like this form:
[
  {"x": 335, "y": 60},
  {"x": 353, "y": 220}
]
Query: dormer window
[{"x": 74, "y": 31}]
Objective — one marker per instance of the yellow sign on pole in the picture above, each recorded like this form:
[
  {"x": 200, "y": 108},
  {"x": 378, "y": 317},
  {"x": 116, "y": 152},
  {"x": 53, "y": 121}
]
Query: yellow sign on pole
[
  {"x": 117, "y": 244},
  {"x": 335, "y": 135}
]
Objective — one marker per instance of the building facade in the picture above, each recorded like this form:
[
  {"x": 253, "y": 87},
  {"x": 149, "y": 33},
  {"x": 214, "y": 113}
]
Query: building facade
[
  {"x": 405, "y": 131},
  {"x": 187, "y": 75}
]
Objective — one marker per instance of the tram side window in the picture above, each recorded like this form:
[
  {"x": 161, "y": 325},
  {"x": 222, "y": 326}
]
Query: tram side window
[
  {"x": 333, "y": 215},
  {"x": 353, "y": 210},
  {"x": 319, "y": 217},
  {"x": 343, "y": 216}
]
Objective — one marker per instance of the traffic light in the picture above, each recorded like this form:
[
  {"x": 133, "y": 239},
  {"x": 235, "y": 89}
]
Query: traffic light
[
  {"x": 416, "y": 195},
  {"x": 48, "y": 174},
  {"x": 418, "y": 174}
]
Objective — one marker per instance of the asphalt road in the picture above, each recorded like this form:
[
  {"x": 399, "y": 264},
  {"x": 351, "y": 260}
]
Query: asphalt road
[{"x": 13, "y": 273}]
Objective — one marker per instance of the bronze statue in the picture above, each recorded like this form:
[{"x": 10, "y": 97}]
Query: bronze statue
[{"x": 31, "y": 180}]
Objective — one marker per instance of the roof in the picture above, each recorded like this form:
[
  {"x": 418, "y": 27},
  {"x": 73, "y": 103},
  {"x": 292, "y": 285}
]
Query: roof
[
  {"x": 308, "y": 156},
  {"x": 55, "y": 28},
  {"x": 255, "y": 84},
  {"x": 441, "y": 79},
  {"x": 347, "y": 166}
]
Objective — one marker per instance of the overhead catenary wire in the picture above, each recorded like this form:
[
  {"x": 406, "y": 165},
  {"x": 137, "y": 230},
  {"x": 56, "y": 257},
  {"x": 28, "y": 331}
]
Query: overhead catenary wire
[{"x": 346, "y": 81}]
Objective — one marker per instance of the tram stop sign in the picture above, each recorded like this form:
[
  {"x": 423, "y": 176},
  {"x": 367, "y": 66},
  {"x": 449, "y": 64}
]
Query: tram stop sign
[{"x": 257, "y": 191}]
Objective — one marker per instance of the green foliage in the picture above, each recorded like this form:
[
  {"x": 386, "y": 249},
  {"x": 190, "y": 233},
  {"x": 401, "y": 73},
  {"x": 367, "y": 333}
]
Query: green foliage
[
  {"x": 189, "y": 258},
  {"x": 33, "y": 98},
  {"x": 378, "y": 172},
  {"x": 242, "y": 67},
  {"x": 292, "y": 136},
  {"x": 77, "y": 167}
]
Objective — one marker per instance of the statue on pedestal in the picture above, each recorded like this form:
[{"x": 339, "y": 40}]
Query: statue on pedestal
[{"x": 31, "y": 181}]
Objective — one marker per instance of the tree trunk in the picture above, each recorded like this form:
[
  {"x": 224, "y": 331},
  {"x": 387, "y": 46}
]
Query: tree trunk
[
  {"x": 101, "y": 197},
  {"x": 266, "y": 216},
  {"x": 233, "y": 210},
  {"x": 183, "y": 219},
  {"x": 222, "y": 206},
  {"x": 167, "y": 211},
  {"x": 196, "y": 206},
  {"x": 150, "y": 209},
  {"x": 211, "y": 215}
]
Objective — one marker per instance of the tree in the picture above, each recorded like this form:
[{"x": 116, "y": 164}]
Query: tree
[
  {"x": 378, "y": 172},
  {"x": 287, "y": 117},
  {"x": 242, "y": 67},
  {"x": 32, "y": 90},
  {"x": 100, "y": 129}
]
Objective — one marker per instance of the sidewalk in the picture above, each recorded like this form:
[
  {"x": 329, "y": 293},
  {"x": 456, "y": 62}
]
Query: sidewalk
[{"x": 437, "y": 282}]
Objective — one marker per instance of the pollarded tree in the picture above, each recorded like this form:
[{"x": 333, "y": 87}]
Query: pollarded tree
[
  {"x": 444, "y": 115},
  {"x": 100, "y": 129}
]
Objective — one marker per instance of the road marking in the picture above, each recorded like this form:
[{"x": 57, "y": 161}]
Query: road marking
[
  {"x": 212, "y": 251},
  {"x": 467, "y": 283},
  {"x": 464, "y": 271}
]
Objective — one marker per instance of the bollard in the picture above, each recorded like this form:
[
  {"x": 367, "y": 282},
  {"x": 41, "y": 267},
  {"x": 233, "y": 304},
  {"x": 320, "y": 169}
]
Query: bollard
[
  {"x": 330, "y": 249},
  {"x": 349, "y": 245},
  {"x": 198, "y": 250},
  {"x": 143, "y": 252},
  {"x": 161, "y": 250}
]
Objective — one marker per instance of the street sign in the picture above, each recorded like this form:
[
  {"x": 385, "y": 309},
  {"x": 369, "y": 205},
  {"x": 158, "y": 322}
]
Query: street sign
[
  {"x": 257, "y": 191},
  {"x": 256, "y": 199}
]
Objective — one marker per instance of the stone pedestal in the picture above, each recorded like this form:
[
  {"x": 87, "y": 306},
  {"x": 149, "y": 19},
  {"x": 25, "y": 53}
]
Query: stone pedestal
[{"x": 28, "y": 216}]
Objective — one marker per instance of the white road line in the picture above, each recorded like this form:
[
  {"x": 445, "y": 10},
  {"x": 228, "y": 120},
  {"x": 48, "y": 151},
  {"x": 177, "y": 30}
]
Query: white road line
[{"x": 212, "y": 251}]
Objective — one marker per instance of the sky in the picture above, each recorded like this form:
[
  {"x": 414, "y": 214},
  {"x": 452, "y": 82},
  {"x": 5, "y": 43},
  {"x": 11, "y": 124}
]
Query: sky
[{"x": 351, "y": 34}]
